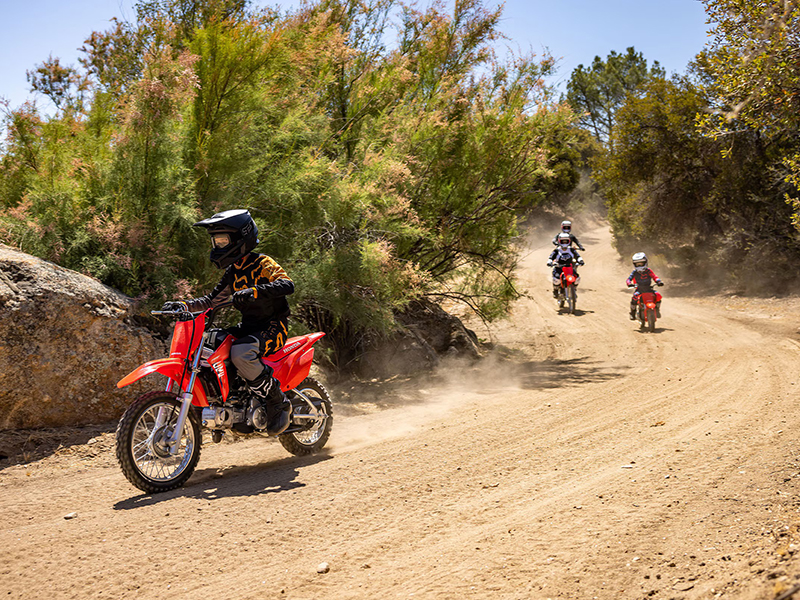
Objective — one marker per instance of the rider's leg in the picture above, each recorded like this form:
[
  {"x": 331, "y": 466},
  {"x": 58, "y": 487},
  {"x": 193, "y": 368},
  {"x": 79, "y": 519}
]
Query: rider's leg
[
  {"x": 634, "y": 302},
  {"x": 246, "y": 355}
]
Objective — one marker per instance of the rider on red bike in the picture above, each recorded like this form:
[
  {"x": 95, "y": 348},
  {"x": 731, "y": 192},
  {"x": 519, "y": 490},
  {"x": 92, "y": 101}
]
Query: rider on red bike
[
  {"x": 566, "y": 228},
  {"x": 561, "y": 257},
  {"x": 258, "y": 287},
  {"x": 642, "y": 279}
]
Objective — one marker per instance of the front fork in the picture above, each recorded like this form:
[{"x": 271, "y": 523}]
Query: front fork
[{"x": 173, "y": 441}]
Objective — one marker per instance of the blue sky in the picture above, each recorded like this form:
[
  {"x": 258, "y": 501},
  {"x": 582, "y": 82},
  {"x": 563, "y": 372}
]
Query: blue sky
[{"x": 670, "y": 31}]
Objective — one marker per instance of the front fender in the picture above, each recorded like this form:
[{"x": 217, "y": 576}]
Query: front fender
[{"x": 171, "y": 367}]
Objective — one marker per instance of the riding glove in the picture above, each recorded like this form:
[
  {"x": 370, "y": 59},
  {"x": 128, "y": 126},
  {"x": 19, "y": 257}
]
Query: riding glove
[{"x": 243, "y": 297}]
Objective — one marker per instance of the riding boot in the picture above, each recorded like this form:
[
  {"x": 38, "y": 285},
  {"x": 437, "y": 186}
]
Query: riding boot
[
  {"x": 633, "y": 313},
  {"x": 278, "y": 408},
  {"x": 555, "y": 291},
  {"x": 658, "y": 309}
]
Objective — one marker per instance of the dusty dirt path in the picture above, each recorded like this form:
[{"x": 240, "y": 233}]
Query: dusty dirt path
[{"x": 593, "y": 461}]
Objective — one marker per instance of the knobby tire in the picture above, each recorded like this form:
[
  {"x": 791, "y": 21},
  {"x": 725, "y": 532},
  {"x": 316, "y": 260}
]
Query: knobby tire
[
  {"x": 302, "y": 443},
  {"x": 132, "y": 423}
]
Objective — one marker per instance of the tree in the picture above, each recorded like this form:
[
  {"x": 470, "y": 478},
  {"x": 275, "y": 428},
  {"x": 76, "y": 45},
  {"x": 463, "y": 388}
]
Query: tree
[
  {"x": 755, "y": 63},
  {"x": 597, "y": 92},
  {"x": 63, "y": 85},
  {"x": 376, "y": 173}
]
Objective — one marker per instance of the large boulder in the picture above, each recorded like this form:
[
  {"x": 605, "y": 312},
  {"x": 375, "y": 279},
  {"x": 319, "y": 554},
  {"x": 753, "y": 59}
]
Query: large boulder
[{"x": 65, "y": 340}]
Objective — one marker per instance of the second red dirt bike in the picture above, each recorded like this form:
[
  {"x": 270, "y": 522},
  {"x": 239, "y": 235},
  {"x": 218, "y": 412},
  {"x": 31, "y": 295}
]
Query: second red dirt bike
[
  {"x": 568, "y": 291},
  {"x": 159, "y": 436}
]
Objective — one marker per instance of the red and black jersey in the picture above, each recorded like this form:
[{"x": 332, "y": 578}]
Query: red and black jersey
[
  {"x": 643, "y": 280},
  {"x": 270, "y": 285}
]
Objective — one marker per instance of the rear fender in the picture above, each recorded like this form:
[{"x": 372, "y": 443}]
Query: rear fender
[{"x": 293, "y": 366}]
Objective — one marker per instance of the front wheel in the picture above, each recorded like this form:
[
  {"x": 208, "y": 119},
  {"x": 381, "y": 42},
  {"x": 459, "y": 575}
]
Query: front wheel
[
  {"x": 142, "y": 450},
  {"x": 651, "y": 320},
  {"x": 572, "y": 298},
  {"x": 316, "y": 430}
]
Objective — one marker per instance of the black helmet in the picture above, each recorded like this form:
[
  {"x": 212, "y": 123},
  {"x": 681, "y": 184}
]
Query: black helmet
[{"x": 233, "y": 235}]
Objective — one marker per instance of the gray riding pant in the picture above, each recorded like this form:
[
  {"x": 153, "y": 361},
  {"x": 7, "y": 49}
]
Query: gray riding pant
[{"x": 247, "y": 350}]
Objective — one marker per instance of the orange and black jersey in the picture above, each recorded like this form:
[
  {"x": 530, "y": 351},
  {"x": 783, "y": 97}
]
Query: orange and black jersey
[{"x": 270, "y": 285}]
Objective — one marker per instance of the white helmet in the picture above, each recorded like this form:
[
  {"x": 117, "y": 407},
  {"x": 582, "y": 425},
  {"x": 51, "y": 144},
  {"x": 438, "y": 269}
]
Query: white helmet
[
  {"x": 563, "y": 240},
  {"x": 566, "y": 226},
  {"x": 640, "y": 260}
]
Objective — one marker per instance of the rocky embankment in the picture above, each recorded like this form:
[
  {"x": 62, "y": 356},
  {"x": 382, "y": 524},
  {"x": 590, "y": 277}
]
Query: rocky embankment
[{"x": 65, "y": 340}]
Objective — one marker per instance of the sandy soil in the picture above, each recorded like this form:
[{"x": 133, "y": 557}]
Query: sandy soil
[{"x": 584, "y": 460}]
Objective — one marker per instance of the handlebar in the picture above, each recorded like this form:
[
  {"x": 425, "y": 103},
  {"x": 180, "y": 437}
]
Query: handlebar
[{"x": 178, "y": 313}]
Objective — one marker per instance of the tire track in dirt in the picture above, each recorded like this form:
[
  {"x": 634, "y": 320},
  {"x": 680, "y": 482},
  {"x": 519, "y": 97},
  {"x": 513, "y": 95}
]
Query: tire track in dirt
[{"x": 598, "y": 462}]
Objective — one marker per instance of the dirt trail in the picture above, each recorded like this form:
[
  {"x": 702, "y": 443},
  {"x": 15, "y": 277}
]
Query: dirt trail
[{"x": 593, "y": 461}]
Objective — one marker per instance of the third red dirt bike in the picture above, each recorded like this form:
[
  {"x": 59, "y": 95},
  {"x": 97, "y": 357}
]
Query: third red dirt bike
[
  {"x": 646, "y": 310},
  {"x": 159, "y": 436}
]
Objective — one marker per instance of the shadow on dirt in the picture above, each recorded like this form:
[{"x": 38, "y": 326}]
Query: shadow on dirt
[
  {"x": 575, "y": 313},
  {"x": 21, "y": 446},
  {"x": 251, "y": 480},
  {"x": 656, "y": 330},
  {"x": 550, "y": 374}
]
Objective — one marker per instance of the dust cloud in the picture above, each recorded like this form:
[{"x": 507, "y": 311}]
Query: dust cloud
[{"x": 378, "y": 412}]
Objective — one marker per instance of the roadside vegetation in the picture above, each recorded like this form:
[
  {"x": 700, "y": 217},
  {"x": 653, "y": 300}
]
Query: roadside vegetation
[
  {"x": 384, "y": 151},
  {"x": 703, "y": 167}
]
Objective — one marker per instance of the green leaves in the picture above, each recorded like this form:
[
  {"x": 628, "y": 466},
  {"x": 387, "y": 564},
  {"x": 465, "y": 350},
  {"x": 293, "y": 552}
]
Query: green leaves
[
  {"x": 597, "y": 92},
  {"x": 377, "y": 171}
]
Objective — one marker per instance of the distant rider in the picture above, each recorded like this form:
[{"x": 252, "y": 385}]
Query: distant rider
[
  {"x": 258, "y": 286},
  {"x": 566, "y": 228},
  {"x": 642, "y": 278},
  {"x": 561, "y": 257}
]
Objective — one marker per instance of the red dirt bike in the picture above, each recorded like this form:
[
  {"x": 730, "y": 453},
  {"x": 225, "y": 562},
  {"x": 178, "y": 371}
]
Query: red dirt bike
[
  {"x": 646, "y": 310},
  {"x": 159, "y": 436},
  {"x": 568, "y": 291}
]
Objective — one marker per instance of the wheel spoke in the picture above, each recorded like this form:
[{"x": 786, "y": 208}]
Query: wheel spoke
[{"x": 150, "y": 452}]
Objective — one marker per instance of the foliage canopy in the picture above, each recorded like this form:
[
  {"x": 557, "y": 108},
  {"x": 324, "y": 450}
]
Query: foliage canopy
[{"x": 384, "y": 151}]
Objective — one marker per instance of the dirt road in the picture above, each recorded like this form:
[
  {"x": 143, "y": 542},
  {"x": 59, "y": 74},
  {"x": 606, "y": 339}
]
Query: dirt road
[{"x": 591, "y": 461}]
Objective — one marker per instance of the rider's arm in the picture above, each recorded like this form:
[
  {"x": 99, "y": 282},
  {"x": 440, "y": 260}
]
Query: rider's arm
[
  {"x": 218, "y": 295},
  {"x": 277, "y": 281},
  {"x": 654, "y": 276}
]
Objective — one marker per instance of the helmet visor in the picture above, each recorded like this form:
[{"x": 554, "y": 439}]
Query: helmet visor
[
  {"x": 220, "y": 240},
  {"x": 639, "y": 263},
  {"x": 564, "y": 242}
]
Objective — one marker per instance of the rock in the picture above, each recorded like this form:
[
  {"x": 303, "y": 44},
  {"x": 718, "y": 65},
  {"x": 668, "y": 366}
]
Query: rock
[
  {"x": 72, "y": 515},
  {"x": 427, "y": 333},
  {"x": 323, "y": 567},
  {"x": 442, "y": 331},
  {"x": 65, "y": 341}
]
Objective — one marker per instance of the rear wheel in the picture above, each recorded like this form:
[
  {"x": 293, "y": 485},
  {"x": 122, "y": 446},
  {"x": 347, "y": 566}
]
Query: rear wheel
[
  {"x": 142, "y": 450},
  {"x": 318, "y": 429}
]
